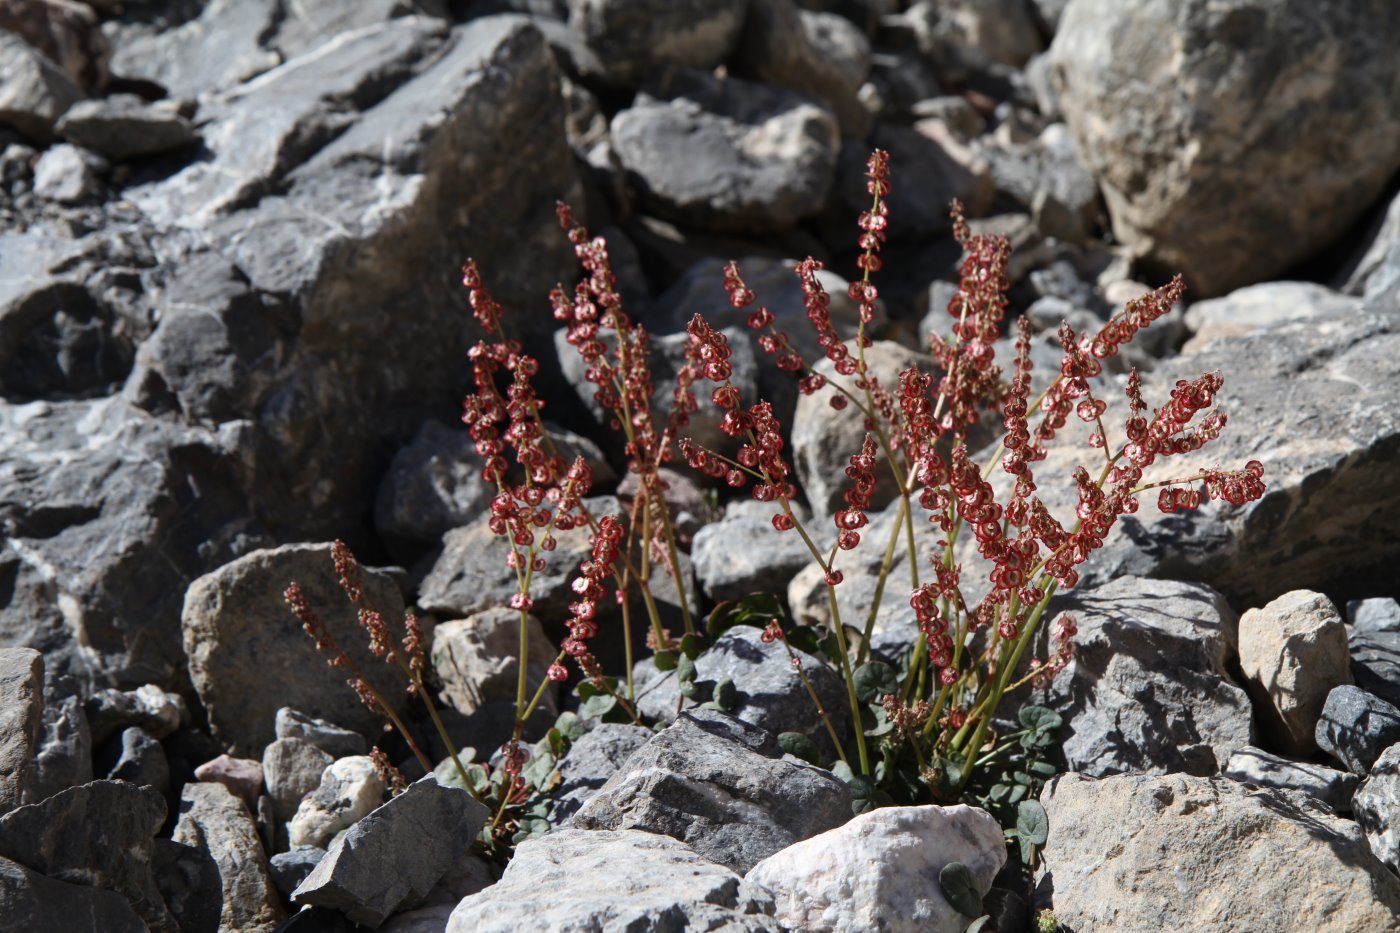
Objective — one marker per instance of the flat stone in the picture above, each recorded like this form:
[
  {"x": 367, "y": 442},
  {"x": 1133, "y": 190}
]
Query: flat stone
[
  {"x": 215, "y": 821},
  {"x": 1188, "y": 842},
  {"x": 1293, "y": 652},
  {"x": 218, "y": 49},
  {"x": 1375, "y": 662},
  {"x": 1374, "y": 615},
  {"x": 349, "y": 790},
  {"x": 720, "y": 786},
  {"x": 21, "y": 718},
  {"x": 292, "y": 768},
  {"x": 334, "y": 740},
  {"x": 1257, "y": 309},
  {"x": 30, "y": 901},
  {"x": 477, "y": 659},
  {"x": 743, "y": 553},
  {"x": 880, "y": 871},
  {"x": 188, "y": 879},
  {"x": 289, "y": 869},
  {"x": 124, "y": 126},
  {"x": 36, "y": 92},
  {"x": 1258, "y": 767},
  {"x": 420, "y": 832},
  {"x": 649, "y": 877},
  {"x": 591, "y": 760},
  {"x": 242, "y": 776},
  {"x": 1355, "y": 727}
]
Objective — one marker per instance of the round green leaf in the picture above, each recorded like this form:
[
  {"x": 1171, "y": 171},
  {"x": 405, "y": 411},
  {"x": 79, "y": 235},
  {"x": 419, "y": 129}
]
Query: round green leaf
[
  {"x": 1039, "y": 718},
  {"x": 596, "y": 707},
  {"x": 799, "y": 746},
  {"x": 874, "y": 680},
  {"x": 685, "y": 669},
  {"x": 726, "y": 696},
  {"x": 1032, "y": 825},
  {"x": 692, "y": 645},
  {"x": 960, "y": 888},
  {"x": 665, "y": 660}
]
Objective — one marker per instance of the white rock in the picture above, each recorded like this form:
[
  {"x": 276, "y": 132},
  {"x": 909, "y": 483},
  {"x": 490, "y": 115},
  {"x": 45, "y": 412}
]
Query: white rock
[
  {"x": 880, "y": 871},
  {"x": 350, "y": 789}
]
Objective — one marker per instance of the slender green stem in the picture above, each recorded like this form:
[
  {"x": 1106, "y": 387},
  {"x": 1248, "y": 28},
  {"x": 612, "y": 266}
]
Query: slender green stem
[{"x": 849, "y": 677}]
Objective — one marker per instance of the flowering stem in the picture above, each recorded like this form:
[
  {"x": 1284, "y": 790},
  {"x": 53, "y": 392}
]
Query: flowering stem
[{"x": 849, "y": 677}]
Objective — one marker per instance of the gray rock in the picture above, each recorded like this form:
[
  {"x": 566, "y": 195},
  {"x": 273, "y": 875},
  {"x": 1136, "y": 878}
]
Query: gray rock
[
  {"x": 1375, "y": 662},
  {"x": 591, "y": 761},
  {"x": 879, "y": 871},
  {"x": 220, "y": 48},
  {"x": 21, "y": 719},
  {"x": 350, "y": 789},
  {"x": 476, "y": 660},
  {"x": 289, "y": 869},
  {"x": 247, "y": 659},
  {"x": 719, "y": 785},
  {"x": 1355, "y": 727},
  {"x": 67, "y": 34},
  {"x": 706, "y": 152},
  {"x": 1255, "y": 766},
  {"x": 1002, "y": 31},
  {"x": 1375, "y": 806},
  {"x": 124, "y": 126},
  {"x": 768, "y": 693},
  {"x": 433, "y": 485},
  {"x": 1378, "y": 267},
  {"x": 1258, "y": 309},
  {"x": 420, "y": 832},
  {"x": 628, "y": 38},
  {"x": 1188, "y": 841},
  {"x": 64, "y": 755},
  {"x": 242, "y": 776},
  {"x": 330, "y": 738},
  {"x": 1373, "y": 616},
  {"x": 1046, "y": 176},
  {"x": 312, "y": 23},
  {"x": 66, "y": 174},
  {"x": 140, "y": 761},
  {"x": 292, "y": 769},
  {"x": 99, "y": 834},
  {"x": 30, "y": 901},
  {"x": 743, "y": 553},
  {"x": 35, "y": 92},
  {"x": 655, "y": 883},
  {"x": 1293, "y": 652},
  {"x": 215, "y": 821},
  {"x": 820, "y": 54},
  {"x": 1148, "y": 689},
  {"x": 149, "y": 708},
  {"x": 188, "y": 879},
  {"x": 1189, "y": 148}
]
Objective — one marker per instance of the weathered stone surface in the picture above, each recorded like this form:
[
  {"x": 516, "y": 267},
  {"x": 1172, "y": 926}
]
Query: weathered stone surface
[
  {"x": 768, "y": 693},
  {"x": 652, "y": 880},
  {"x": 1376, "y": 804},
  {"x": 30, "y": 901},
  {"x": 35, "y": 92},
  {"x": 628, "y": 38},
  {"x": 1373, "y": 616},
  {"x": 349, "y": 790},
  {"x": 433, "y": 485},
  {"x": 292, "y": 768},
  {"x": 1293, "y": 652},
  {"x": 1045, "y": 176},
  {"x": 880, "y": 871},
  {"x": 242, "y": 776},
  {"x": 1354, "y": 727},
  {"x": 1212, "y": 126},
  {"x": 66, "y": 174},
  {"x": 289, "y": 869},
  {"x": 1375, "y": 663},
  {"x": 726, "y": 154},
  {"x": 216, "y": 50},
  {"x": 312, "y": 23},
  {"x": 214, "y": 820},
  {"x": 420, "y": 833},
  {"x": 188, "y": 879},
  {"x": 21, "y": 719},
  {"x": 1258, "y": 309},
  {"x": 148, "y": 707},
  {"x": 99, "y": 834},
  {"x": 63, "y": 758},
  {"x": 124, "y": 126},
  {"x": 137, "y": 759},
  {"x": 721, "y": 786},
  {"x": 66, "y": 33},
  {"x": 1148, "y": 689},
  {"x": 591, "y": 760},
  {"x": 327, "y": 736},
  {"x": 1258, "y": 767},
  {"x": 248, "y": 659},
  {"x": 743, "y": 553},
  {"x": 1139, "y": 853},
  {"x": 1378, "y": 267},
  {"x": 477, "y": 659}
]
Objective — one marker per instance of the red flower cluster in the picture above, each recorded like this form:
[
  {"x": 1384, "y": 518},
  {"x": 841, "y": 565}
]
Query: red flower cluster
[
  {"x": 590, "y": 590},
  {"x": 862, "y": 475}
]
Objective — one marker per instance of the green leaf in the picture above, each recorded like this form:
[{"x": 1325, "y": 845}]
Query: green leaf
[
  {"x": 1032, "y": 825},
  {"x": 799, "y": 746},
  {"x": 685, "y": 669},
  {"x": 874, "y": 680},
  {"x": 804, "y": 638},
  {"x": 570, "y": 726},
  {"x": 1044, "y": 770},
  {"x": 538, "y": 770},
  {"x": 960, "y": 888},
  {"x": 865, "y": 796},
  {"x": 1018, "y": 793},
  {"x": 692, "y": 645},
  {"x": 726, "y": 696},
  {"x": 597, "y": 706},
  {"x": 665, "y": 660},
  {"x": 843, "y": 771},
  {"x": 697, "y": 690},
  {"x": 1039, "y": 718}
]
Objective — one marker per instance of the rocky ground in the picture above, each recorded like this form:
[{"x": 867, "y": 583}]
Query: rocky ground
[{"x": 232, "y": 328}]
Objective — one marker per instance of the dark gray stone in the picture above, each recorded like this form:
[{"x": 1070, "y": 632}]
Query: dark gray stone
[
  {"x": 743, "y": 553},
  {"x": 21, "y": 719},
  {"x": 30, "y": 901},
  {"x": 330, "y": 738},
  {"x": 1375, "y": 663},
  {"x": 721, "y": 786},
  {"x": 213, "y": 820},
  {"x": 1371, "y": 616},
  {"x": 289, "y": 869},
  {"x": 1255, "y": 766},
  {"x": 628, "y": 38},
  {"x": 769, "y": 694},
  {"x": 292, "y": 768},
  {"x": 247, "y": 658},
  {"x": 124, "y": 126},
  {"x": 654, "y": 883},
  {"x": 1148, "y": 689},
  {"x": 704, "y": 151},
  {"x": 420, "y": 833},
  {"x": 188, "y": 879},
  {"x": 140, "y": 760},
  {"x": 433, "y": 485},
  {"x": 1356, "y": 727},
  {"x": 99, "y": 834},
  {"x": 591, "y": 760},
  {"x": 1376, "y": 804},
  {"x": 149, "y": 708},
  {"x": 64, "y": 756},
  {"x": 36, "y": 92}
]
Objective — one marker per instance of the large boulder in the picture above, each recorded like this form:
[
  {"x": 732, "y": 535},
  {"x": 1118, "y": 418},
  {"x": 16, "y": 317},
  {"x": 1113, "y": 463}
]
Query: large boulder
[
  {"x": 36, "y": 92},
  {"x": 1206, "y": 853},
  {"x": 1231, "y": 139},
  {"x": 31, "y": 901}
]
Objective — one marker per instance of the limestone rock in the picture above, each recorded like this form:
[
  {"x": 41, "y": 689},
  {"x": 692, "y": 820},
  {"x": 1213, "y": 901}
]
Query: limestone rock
[
  {"x": 591, "y": 760},
  {"x": 36, "y": 92},
  {"x": 476, "y": 659},
  {"x": 242, "y": 776},
  {"x": 292, "y": 769},
  {"x": 1258, "y": 767},
  {"x": 330, "y": 738},
  {"x": 214, "y": 820},
  {"x": 349, "y": 790},
  {"x": 21, "y": 718},
  {"x": 124, "y": 126}
]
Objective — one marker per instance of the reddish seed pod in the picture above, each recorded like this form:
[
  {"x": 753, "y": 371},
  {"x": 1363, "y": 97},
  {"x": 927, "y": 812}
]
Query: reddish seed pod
[
  {"x": 834, "y": 577},
  {"x": 782, "y": 521}
]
